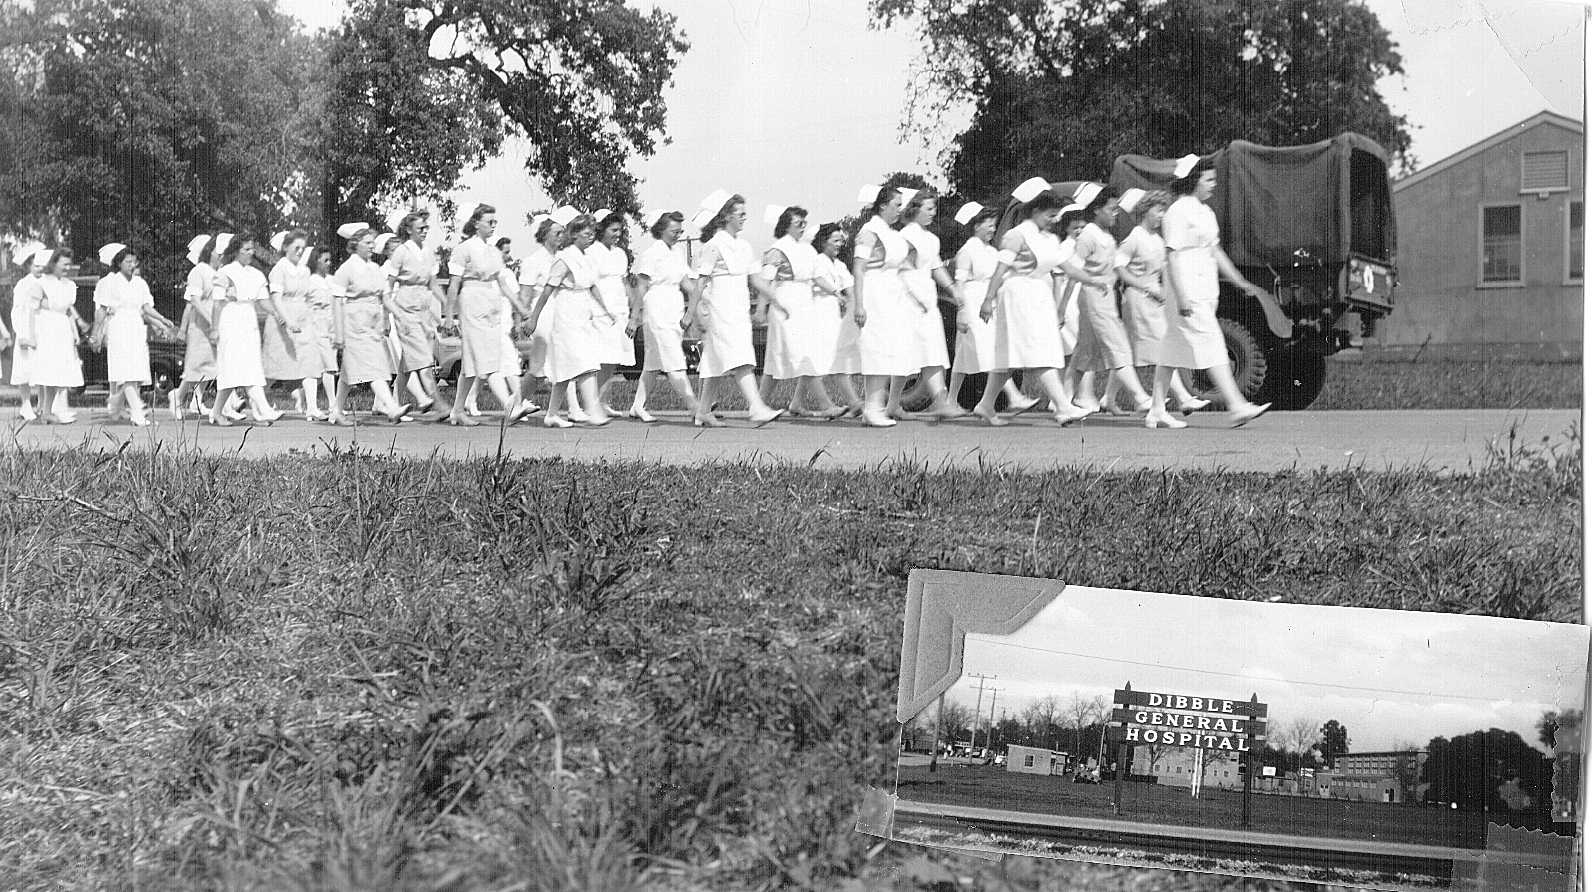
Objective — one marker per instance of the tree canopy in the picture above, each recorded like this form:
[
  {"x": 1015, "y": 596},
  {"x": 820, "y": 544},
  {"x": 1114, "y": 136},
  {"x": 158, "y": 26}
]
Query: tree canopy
[
  {"x": 146, "y": 122},
  {"x": 1059, "y": 88}
]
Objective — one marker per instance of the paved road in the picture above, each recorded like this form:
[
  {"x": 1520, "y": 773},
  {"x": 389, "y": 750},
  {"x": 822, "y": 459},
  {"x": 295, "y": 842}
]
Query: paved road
[{"x": 1446, "y": 440}]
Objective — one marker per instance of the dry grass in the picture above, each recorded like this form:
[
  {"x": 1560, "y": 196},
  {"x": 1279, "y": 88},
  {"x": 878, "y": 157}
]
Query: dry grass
[{"x": 352, "y": 672}]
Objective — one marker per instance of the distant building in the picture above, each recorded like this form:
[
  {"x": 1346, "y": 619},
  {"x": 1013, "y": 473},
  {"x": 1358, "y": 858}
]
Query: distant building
[
  {"x": 1176, "y": 767},
  {"x": 1375, "y": 776},
  {"x": 1034, "y": 760},
  {"x": 1490, "y": 241}
]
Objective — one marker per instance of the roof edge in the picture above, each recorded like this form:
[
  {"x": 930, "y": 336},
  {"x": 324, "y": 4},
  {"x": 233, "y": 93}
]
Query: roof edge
[{"x": 1545, "y": 116}]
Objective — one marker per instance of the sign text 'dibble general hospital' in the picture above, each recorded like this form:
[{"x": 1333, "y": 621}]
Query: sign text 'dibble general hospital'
[{"x": 1171, "y": 720}]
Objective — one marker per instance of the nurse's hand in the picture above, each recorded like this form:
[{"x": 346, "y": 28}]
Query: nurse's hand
[
  {"x": 986, "y": 311},
  {"x": 963, "y": 327},
  {"x": 1254, "y": 290}
]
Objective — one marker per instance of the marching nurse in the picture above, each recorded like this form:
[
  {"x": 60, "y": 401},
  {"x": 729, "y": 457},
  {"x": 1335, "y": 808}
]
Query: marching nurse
[
  {"x": 123, "y": 312},
  {"x": 725, "y": 310},
  {"x": 235, "y": 332},
  {"x": 360, "y": 325},
  {"x": 55, "y": 329},
  {"x": 573, "y": 316},
  {"x": 1102, "y": 340},
  {"x": 412, "y": 268},
  {"x": 883, "y": 311},
  {"x": 924, "y": 275},
  {"x": 974, "y": 265},
  {"x": 665, "y": 287},
  {"x": 1195, "y": 263}
]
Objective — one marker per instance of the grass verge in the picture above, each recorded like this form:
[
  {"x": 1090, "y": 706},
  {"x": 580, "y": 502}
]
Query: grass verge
[{"x": 353, "y": 671}]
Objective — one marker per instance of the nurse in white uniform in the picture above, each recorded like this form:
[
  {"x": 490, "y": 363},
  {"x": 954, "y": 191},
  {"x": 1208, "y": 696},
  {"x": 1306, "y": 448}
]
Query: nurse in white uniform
[
  {"x": 1022, "y": 304},
  {"x": 411, "y": 268},
  {"x": 1195, "y": 259},
  {"x": 199, "y": 357},
  {"x": 24, "y": 295},
  {"x": 1102, "y": 339},
  {"x": 974, "y": 266},
  {"x": 925, "y": 276},
  {"x": 534, "y": 267},
  {"x": 725, "y": 310},
  {"x": 54, "y": 329},
  {"x": 665, "y": 294},
  {"x": 835, "y": 330},
  {"x": 886, "y": 315},
  {"x": 611, "y": 262},
  {"x": 235, "y": 332},
  {"x": 124, "y": 310},
  {"x": 475, "y": 297},
  {"x": 360, "y": 317},
  {"x": 322, "y": 322},
  {"x": 573, "y": 316},
  {"x": 289, "y": 351},
  {"x": 790, "y": 269}
]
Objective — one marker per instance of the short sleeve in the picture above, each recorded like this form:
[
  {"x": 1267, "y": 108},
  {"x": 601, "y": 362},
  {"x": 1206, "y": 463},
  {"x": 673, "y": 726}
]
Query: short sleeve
[
  {"x": 710, "y": 257},
  {"x": 145, "y": 298},
  {"x": 964, "y": 263},
  {"x": 102, "y": 294},
  {"x": 340, "y": 284},
  {"x": 1178, "y": 228},
  {"x": 277, "y": 281},
  {"x": 456, "y": 259}
]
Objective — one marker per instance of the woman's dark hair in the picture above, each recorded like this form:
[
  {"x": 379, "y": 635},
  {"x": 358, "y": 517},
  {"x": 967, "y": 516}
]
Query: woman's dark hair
[
  {"x": 543, "y": 228},
  {"x": 612, "y": 218},
  {"x": 663, "y": 221},
  {"x": 579, "y": 224},
  {"x": 1185, "y": 185},
  {"x": 505, "y": 240},
  {"x": 879, "y": 201},
  {"x": 61, "y": 253},
  {"x": 1071, "y": 217},
  {"x": 1106, "y": 194},
  {"x": 235, "y": 246},
  {"x": 481, "y": 210},
  {"x": 351, "y": 244},
  {"x": 717, "y": 223},
  {"x": 1044, "y": 201},
  {"x": 911, "y": 208},
  {"x": 822, "y": 236},
  {"x": 1158, "y": 198},
  {"x": 788, "y": 218},
  {"x": 406, "y": 226},
  {"x": 319, "y": 251},
  {"x": 981, "y": 216},
  {"x": 207, "y": 249},
  {"x": 116, "y": 262}
]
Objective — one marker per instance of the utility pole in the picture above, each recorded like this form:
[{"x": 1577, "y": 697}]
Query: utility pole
[
  {"x": 989, "y": 731},
  {"x": 978, "y": 707}
]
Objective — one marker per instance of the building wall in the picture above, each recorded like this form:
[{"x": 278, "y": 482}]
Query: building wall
[
  {"x": 1176, "y": 766},
  {"x": 1439, "y": 243},
  {"x": 1043, "y": 760}
]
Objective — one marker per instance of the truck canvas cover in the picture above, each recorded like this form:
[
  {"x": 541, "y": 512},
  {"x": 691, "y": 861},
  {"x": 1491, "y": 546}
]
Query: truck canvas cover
[{"x": 1272, "y": 201}]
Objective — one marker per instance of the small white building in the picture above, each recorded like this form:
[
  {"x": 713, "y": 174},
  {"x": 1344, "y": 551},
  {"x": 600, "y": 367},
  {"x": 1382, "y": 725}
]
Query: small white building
[{"x": 1035, "y": 760}]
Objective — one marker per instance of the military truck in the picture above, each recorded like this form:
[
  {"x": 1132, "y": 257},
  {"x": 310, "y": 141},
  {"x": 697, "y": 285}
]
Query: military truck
[{"x": 1311, "y": 224}]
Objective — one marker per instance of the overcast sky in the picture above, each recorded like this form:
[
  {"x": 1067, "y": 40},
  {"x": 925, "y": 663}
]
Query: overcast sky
[
  {"x": 797, "y": 101},
  {"x": 1389, "y": 676}
]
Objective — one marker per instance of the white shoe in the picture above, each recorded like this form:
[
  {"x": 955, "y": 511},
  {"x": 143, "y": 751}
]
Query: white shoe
[
  {"x": 1247, "y": 413},
  {"x": 1193, "y": 405},
  {"x": 139, "y": 418},
  {"x": 578, "y": 415},
  {"x": 25, "y": 411},
  {"x": 1155, "y": 419},
  {"x": 174, "y": 406}
]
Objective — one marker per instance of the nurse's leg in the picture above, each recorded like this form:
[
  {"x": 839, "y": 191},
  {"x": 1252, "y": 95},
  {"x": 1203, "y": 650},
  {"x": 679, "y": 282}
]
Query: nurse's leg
[
  {"x": 756, "y": 410},
  {"x": 994, "y": 382}
]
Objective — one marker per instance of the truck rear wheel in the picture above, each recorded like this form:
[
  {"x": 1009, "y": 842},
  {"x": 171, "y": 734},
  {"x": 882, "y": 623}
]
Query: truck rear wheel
[
  {"x": 1246, "y": 357},
  {"x": 1295, "y": 377}
]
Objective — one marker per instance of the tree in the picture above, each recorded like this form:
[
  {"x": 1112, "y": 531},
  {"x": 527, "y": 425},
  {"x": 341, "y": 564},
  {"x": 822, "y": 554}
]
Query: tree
[
  {"x": 1081, "y": 712},
  {"x": 1552, "y": 721},
  {"x": 1492, "y": 770},
  {"x": 144, "y": 122},
  {"x": 1041, "y": 718},
  {"x": 1334, "y": 742},
  {"x": 1060, "y": 89},
  {"x": 955, "y": 722},
  {"x": 1298, "y": 736},
  {"x": 425, "y": 86}
]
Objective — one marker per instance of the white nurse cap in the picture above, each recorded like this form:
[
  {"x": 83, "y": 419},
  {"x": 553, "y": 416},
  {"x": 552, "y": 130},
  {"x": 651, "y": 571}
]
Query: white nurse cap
[
  {"x": 773, "y": 212},
  {"x": 1130, "y": 199},
  {"x": 967, "y": 212},
  {"x": 381, "y": 242},
  {"x": 350, "y": 230},
  {"x": 42, "y": 258},
  {"x": 716, "y": 200},
  {"x": 25, "y": 250},
  {"x": 278, "y": 240},
  {"x": 701, "y": 219},
  {"x": 195, "y": 244},
  {"x": 867, "y": 194},
  {"x": 651, "y": 218},
  {"x": 564, "y": 215},
  {"x": 1030, "y": 188},
  {"x": 109, "y": 252},
  {"x": 222, "y": 241},
  {"x": 1185, "y": 166},
  {"x": 906, "y": 194},
  {"x": 1086, "y": 194},
  {"x": 538, "y": 220},
  {"x": 601, "y": 214}
]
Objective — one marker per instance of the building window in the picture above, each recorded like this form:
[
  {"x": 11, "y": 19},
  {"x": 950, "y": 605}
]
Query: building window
[
  {"x": 1545, "y": 171},
  {"x": 1500, "y": 244},
  {"x": 1575, "y": 243},
  {"x": 1028, "y": 761}
]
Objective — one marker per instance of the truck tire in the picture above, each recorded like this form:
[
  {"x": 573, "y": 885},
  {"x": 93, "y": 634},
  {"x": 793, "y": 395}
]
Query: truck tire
[
  {"x": 1295, "y": 377},
  {"x": 1246, "y": 356}
]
